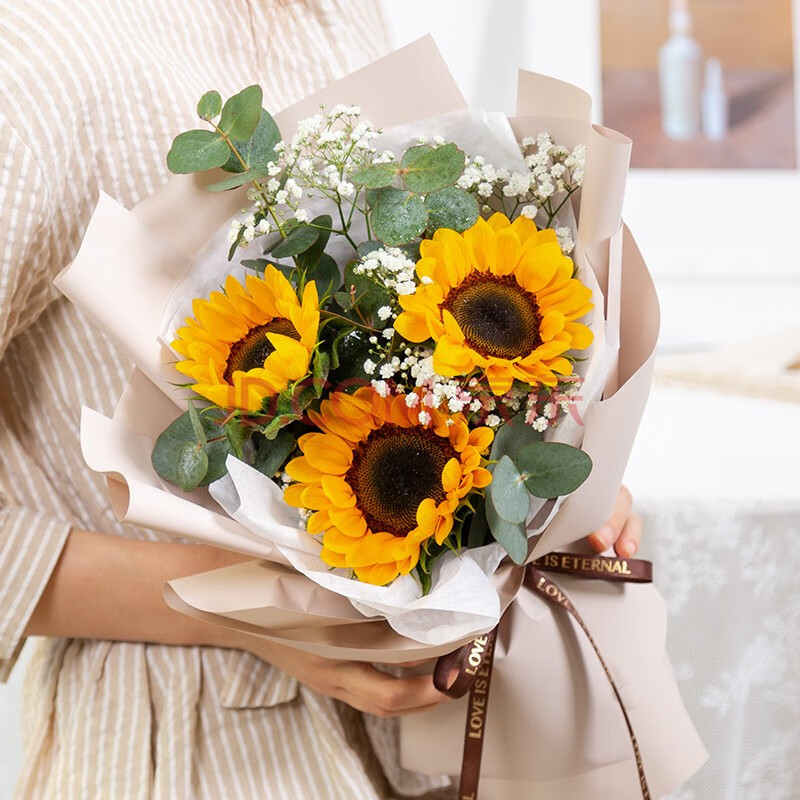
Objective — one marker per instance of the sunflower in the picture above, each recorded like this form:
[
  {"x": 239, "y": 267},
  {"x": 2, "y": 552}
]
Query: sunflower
[
  {"x": 249, "y": 342},
  {"x": 499, "y": 297},
  {"x": 381, "y": 482}
]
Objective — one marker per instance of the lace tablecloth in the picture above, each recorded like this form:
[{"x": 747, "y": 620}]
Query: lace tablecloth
[{"x": 717, "y": 480}]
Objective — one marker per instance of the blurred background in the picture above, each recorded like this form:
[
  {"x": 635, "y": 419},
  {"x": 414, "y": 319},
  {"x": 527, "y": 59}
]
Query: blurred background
[{"x": 707, "y": 89}]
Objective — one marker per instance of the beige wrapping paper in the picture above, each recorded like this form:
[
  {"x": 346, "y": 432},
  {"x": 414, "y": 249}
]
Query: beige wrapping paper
[{"x": 550, "y": 700}]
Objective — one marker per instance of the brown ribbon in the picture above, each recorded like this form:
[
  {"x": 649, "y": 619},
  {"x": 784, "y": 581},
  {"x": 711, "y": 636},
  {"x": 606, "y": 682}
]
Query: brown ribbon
[{"x": 474, "y": 660}]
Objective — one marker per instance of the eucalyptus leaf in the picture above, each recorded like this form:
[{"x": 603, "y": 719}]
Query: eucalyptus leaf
[
  {"x": 272, "y": 453},
  {"x": 552, "y": 469},
  {"x": 181, "y": 432},
  {"x": 512, "y": 536},
  {"x": 191, "y": 466},
  {"x": 398, "y": 216},
  {"x": 209, "y": 106},
  {"x": 298, "y": 241},
  {"x": 509, "y": 496},
  {"x": 453, "y": 208},
  {"x": 376, "y": 176},
  {"x": 326, "y": 275},
  {"x": 237, "y": 434},
  {"x": 516, "y": 433},
  {"x": 259, "y": 149},
  {"x": 197, "y": 426},
  {"x": 429, "y": 169},
  {"x": 196, "y": 151},
  {"x": 344, "y": 300},
  {"x": 241, "y": 113},
  {"x": 239, "y": 179},
  {"x": 310, "y": 258},
  {"x": 365, "y": 248}
]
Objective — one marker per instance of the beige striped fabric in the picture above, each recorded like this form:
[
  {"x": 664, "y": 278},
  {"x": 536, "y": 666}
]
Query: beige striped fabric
[{"x": 91, "y": 94}]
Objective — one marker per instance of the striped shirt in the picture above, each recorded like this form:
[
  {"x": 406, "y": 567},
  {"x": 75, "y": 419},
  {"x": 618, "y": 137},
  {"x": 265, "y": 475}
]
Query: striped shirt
[{"x": 91, "y": 94}]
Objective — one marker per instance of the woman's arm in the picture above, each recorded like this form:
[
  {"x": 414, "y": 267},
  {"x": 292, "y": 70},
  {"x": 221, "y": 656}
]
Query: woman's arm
[{"x": 106, "y": 587}]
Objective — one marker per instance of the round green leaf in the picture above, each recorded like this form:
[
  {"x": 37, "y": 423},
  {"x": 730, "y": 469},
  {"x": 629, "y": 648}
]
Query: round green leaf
[
  {"x": 191, "y": 466},
  {"x": 298, "y": 241},
  {"x": 451, "y": 207},
  {"x": 241, "y": 113},
  {"x": 398, "y": 216},
  {"x": 428, "y": 169},
  {"x": 181, "y": 432},
  {"x": 513, "y": 435},
  {"x": 512, "y": 536},
  {"x": 509, "y": 495},
  {"x": 376, "y": 176},
  {"x": 210, "y": 105},
  {"x": 552, "y": 469},
  {"x": 196, "y": 151},
  {"x": 258, "y": 150}
]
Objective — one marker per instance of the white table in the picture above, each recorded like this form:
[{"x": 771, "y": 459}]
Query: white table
[{"x": 717, "y": 480}]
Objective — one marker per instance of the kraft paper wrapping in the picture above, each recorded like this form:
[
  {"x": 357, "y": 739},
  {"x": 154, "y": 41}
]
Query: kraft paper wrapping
[{"x": 140, "y": 256}]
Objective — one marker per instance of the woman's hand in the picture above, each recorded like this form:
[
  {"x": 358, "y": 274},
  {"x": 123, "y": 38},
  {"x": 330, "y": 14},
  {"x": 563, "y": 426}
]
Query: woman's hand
[
  {"x": 360, "y": 685},
  {"x": 623, "y": 529}
]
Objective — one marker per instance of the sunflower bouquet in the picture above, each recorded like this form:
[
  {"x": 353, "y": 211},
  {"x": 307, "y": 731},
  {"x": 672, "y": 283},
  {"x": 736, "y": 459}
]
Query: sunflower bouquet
[
  {"x": 404, "y": 380},
  {"x": 394, "y": 363}
]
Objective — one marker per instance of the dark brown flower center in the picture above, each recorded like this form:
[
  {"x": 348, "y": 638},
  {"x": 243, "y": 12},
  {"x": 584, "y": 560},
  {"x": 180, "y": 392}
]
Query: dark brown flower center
[
  {"x": 251, "y": 351},
  {"x": 497, "y": 316},
  {"x": 393, "y": 471}
]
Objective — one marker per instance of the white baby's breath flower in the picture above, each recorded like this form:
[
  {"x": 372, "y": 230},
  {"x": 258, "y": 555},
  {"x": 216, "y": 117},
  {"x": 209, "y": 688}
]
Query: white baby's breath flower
[
  {"x": 424, "y": 417},
  {"x": 384, "y": 312},
  {"x": 381, "y": 387},
  {"x": 369, "y": 366},
  {"x": 412, "y": 400},
  {"x": 388, "y": 333},
  {"x": 301, "y": 215}
]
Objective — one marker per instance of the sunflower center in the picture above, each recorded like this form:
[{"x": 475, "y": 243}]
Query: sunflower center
[
  {"x": 497, "y": 316},
  {"x": 393, "y": 471},
  {"x": 251, "y": 351}
]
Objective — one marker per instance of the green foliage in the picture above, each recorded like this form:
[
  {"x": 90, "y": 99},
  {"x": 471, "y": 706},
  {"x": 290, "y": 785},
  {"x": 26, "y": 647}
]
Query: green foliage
[
  {"x": 478, "y": 525},
  {"x": 366, "y": 294},
  {"x": 210, "y": 106},
  {"x": 197, "y": 151},
  {"x": 173, "y": 445},
  {"x": 429, "y": 169},
  {"x": 398, "y": 216},
  {"x": 191, "y": 465},
  {"x": 299, "y": 239},
  {"x": 512, "y": 436},
  {"x": 513, "y": 536},
  {"x": 271, "y": 454},
  {"x": 309, "y": 258},
  {"x": 376, "y": 176},
  {"x": 259, "y": 149},
  {"x": 509, "y": 496},
  {"x": 349, "y": 351},
  {"x": 241, "y": 113},
  {"x": 326, "y": 275},
  {"x": 552, "y": 469},
  {"x": 451, "y": 207}
]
